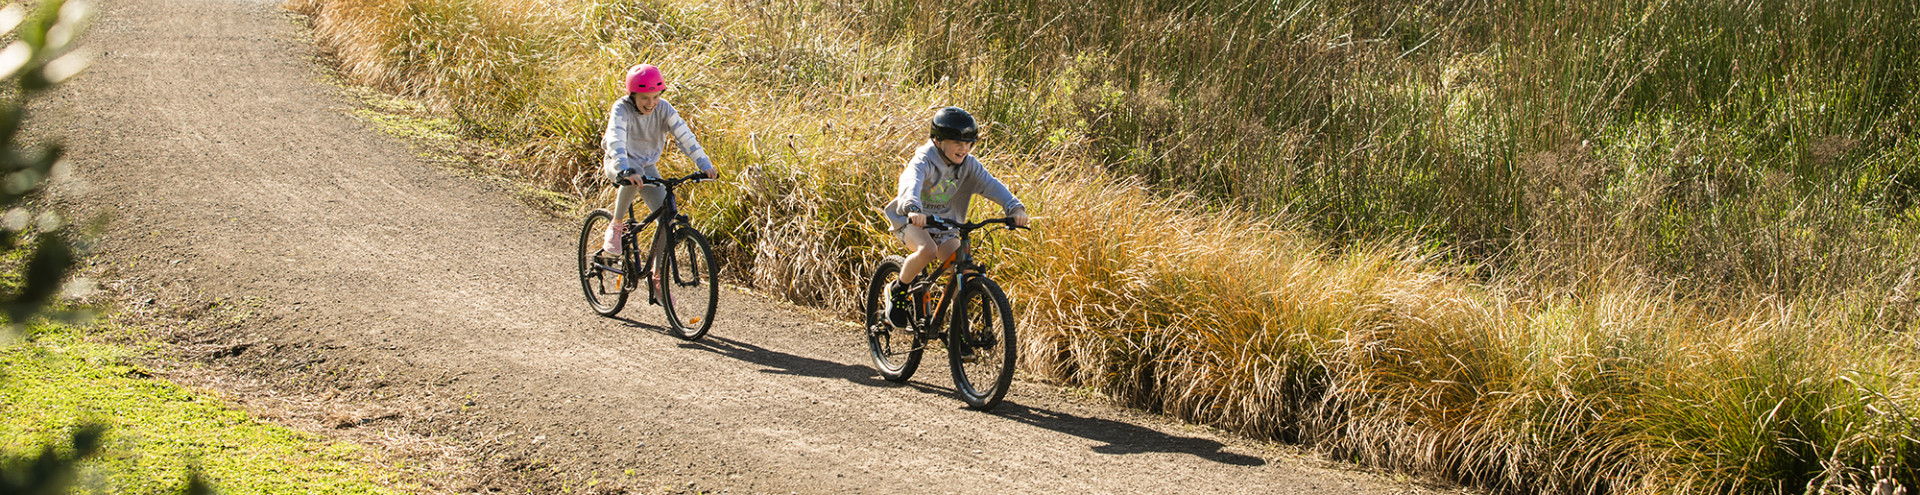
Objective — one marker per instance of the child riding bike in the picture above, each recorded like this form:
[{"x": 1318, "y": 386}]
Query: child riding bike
[
  {"x": 939, "y": 180},
  {"x": 637, "y": 130}
]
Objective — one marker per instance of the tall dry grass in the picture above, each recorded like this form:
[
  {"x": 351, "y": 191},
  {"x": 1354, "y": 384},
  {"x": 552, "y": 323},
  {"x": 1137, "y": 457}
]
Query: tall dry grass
[
  {"x": 1743, "y": 147},
  {"x": 1456, "y": 239},
  {"x": 1385, "y": 356}
]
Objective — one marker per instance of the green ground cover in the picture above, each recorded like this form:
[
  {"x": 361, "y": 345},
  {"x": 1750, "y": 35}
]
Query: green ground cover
[{"x": 60, "y": 377}]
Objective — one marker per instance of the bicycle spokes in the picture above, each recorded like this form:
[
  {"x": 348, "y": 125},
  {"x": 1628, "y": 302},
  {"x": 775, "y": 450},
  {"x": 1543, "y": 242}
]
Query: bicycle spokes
[
  {"x": 605, "y": 277},
  {"x": 896, "y": 351},
  {"x": 981, "y": 350},
  {"x": 602, "y": 278},
  {"x": 686, "y": 269},
  {"x": 978, "y": 337},
  {"x": 686, "y": 280},
  {"x": 893, "y": 343}
]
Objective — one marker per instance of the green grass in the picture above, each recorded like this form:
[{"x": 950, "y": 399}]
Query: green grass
[{"x": 63, "y": 376}]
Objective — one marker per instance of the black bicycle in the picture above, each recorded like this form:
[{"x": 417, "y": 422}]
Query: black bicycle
[
  {"x": 978, "y": 322},
  {"x": 682, "y": 277}
]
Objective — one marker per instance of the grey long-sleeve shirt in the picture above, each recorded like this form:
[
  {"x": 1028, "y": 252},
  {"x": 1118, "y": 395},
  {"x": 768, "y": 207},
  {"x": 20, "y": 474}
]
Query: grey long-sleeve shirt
[
  {"x": 634, "y": 141},
  {"x": 941, "y": 190}
]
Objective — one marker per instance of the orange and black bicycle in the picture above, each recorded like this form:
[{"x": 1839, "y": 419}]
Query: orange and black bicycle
[{"x": 968, "y": 313}]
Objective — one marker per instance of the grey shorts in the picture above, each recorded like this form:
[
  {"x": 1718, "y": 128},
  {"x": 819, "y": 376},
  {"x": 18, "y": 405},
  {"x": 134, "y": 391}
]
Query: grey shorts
[{"x": 940, "y": 236}]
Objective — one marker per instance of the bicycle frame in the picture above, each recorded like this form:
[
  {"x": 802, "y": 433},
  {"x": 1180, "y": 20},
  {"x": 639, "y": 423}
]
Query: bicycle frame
[
  {"x": 665, "y": 219},
  {"x": 926, "y": 281},
  {"x": 961, "y": 261}
]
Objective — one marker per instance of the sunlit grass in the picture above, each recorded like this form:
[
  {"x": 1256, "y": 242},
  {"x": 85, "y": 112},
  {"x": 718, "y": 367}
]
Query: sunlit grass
[{"x": 158, "y": 432}]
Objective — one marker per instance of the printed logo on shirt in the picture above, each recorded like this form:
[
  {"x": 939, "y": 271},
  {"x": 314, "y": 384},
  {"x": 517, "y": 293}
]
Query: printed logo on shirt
[{"x": 940, "y": 193}]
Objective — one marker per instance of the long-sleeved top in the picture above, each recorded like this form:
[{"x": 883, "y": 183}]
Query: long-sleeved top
[
  {"x": 938, "y": 189},
  {"x": 634, "y": 142}
]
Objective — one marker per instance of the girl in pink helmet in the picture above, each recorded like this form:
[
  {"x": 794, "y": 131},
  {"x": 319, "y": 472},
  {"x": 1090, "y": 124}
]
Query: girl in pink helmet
[{"x": 637, "y": 131}]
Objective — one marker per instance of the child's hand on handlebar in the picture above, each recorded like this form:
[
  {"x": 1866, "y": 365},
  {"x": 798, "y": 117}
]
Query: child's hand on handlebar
[
  {"x": 1021, "y": 219},
  {"x": 917, "y": 219}
]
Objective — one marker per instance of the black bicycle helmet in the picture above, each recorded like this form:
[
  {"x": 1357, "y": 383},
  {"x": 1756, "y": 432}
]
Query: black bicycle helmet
[{"x": 954, "y": 124}]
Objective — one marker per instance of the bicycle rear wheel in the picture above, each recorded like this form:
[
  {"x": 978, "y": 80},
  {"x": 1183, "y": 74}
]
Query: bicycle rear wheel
[
  {"x": 689, "y": 284},
  {"x": 896, "y": 351},
  {"x": 599, "y": 277},
  {"x": 980, "y": 344}
]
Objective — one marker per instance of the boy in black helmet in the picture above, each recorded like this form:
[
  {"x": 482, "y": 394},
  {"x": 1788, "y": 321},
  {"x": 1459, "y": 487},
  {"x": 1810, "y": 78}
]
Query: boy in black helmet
[{"x": 940, "y": 180}]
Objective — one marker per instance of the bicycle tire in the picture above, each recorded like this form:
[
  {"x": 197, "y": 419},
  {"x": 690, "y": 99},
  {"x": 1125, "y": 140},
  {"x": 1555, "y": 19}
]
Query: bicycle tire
[
  {"x": 594, "y": 280},
  {"x": 896, "y": 351},
  {"x": 689, "y": 284},
  {"x": 981, "y": 345}
]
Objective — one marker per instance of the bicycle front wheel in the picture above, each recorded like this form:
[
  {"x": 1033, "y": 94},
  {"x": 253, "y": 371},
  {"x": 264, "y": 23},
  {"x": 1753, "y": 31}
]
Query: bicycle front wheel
[
  {"x": 896, "y": 351},
  {"x": 980, "y": 344},
  {"x": 689, "y": 284},
  {"x": 600, "y": 277}
]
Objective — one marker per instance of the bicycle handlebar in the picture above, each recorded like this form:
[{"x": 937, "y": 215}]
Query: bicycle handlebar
[
  {"x": 672, "y": 183},
  {"x": 942, "y": 223}
]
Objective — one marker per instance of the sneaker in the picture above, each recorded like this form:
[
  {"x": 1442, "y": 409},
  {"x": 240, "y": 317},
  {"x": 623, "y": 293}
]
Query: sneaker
[
  {"x": 611, "y": 244},
  {"x": 899, "y": 305}
]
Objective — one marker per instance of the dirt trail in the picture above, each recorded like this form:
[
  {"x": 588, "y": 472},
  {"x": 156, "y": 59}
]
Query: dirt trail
[{"x": 233, "y": 173}]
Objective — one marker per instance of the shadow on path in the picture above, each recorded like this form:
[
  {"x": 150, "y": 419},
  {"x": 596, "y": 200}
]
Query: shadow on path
[
  {"x": 1124, "y": 438},
  {"x": 781, "y": 363},
  {"x": 632, "y": 323},
  {"x": 1120, "y": 438}
]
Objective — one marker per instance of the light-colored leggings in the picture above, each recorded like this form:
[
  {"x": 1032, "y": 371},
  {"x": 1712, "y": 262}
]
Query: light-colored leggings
[{"x": 654, "y": 195}]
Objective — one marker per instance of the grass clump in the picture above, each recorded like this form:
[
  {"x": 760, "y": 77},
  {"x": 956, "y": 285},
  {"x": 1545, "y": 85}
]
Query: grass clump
[
  {"x": 157, "y": 433},
  {"x": 1529, "y": 246}
]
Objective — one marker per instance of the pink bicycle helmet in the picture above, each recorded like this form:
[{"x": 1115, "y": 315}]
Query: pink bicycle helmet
[{"x": 645, "y": 78}]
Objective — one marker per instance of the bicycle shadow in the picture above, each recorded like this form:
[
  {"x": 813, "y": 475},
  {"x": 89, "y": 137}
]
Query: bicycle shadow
[
  {"x": 1124, "y": 438},
  {"x": 632, "y": 323},
  {"x": 781, "y": 363},
  {"x": 1120, "y": 438},
  {"x": 659, "y": 328}
]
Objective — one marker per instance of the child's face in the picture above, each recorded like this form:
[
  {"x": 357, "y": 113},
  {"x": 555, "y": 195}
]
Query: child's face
[
  {"x": 647, "y": 101},
  {"x": 954, "y": 151}
]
